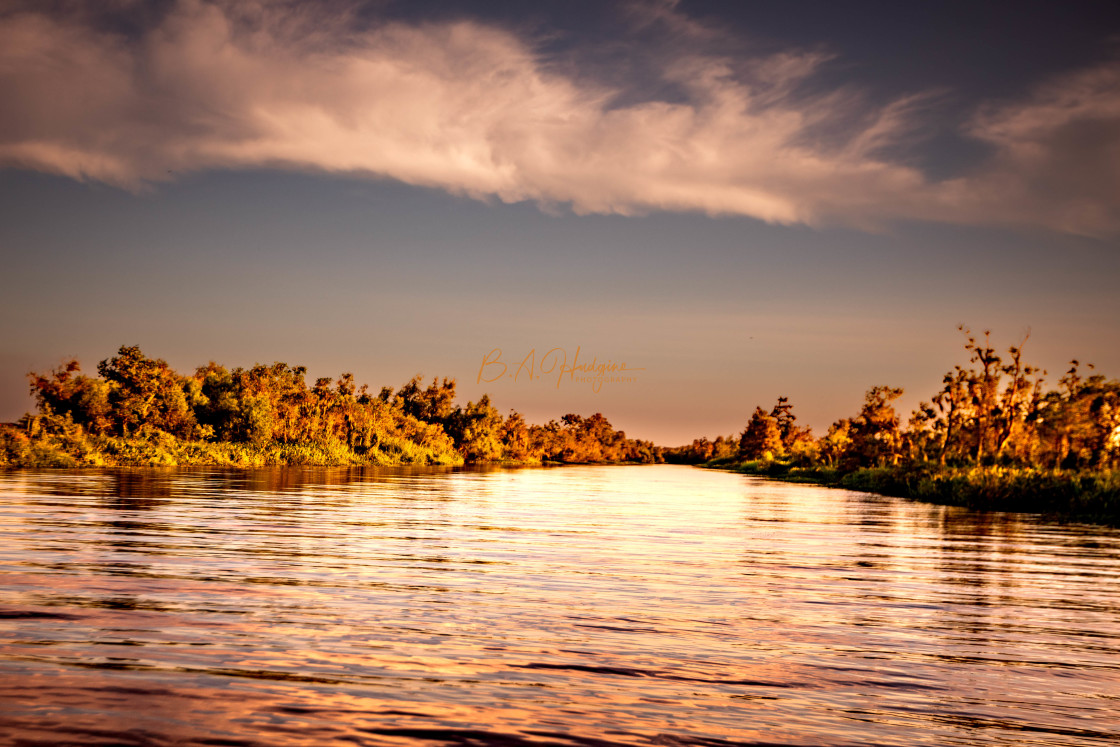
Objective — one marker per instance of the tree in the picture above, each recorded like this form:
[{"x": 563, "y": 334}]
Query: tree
[
  {"x": 836, "y": 443},
  {"x": 795, "y": 440},
  {"x": 515, "y": 438},
  {"x": 476, "y": 430},
  {"x": 64, "y": 391},
  {"x": 145, "y": 392},
  {"x": 1079, "y": 425},
  {"x": 762, "y": 438},
  {"x": 432, "y": 405},
  {"x": 874, "y": 433},
  {"x": 953, "y": 405}
]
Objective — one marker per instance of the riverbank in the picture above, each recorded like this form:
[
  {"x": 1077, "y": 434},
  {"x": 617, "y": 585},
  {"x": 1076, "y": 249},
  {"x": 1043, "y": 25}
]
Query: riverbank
[
  {"x": 70, "y": 447},
  {"x": 74, "y": 447},
  {"x": 1071, "y": 495}
]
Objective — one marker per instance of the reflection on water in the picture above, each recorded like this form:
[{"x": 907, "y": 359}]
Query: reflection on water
[{"x": 576, "y": 606}]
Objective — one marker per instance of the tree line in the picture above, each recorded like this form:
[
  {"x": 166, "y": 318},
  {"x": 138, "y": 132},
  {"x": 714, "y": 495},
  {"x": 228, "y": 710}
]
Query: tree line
[
  {"x": 272, "y": 408},
  {"x": 993, "y": 411}
]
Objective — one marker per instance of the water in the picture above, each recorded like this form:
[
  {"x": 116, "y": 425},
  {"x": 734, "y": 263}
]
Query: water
[{"x": 576, "y": 606}]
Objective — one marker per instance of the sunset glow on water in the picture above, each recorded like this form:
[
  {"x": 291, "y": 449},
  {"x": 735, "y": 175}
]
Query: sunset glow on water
[{"x": 584, "y": 605}]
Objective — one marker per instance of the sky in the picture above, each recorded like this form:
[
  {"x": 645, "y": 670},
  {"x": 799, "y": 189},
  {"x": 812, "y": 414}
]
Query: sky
[{"x": 800, "y": 199}]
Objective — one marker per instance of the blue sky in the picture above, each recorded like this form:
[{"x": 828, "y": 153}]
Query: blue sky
[{"x": 801, "y": 199}]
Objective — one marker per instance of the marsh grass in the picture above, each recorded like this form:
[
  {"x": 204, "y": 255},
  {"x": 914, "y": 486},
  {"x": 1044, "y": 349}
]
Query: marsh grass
[{"x": 1088, "y": 495}]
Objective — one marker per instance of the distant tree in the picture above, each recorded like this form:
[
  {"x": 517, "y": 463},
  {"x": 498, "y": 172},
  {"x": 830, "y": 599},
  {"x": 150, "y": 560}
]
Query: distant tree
[
  {"x": 724, "y": 447},
  {"x": 64, "y": 391},
  {"x": 476, "y": 430},
  {"x": 219, "y": 407},
  {"x": 874, "y": 433},
  {"x": 987, "y": 411},
  {"x": 784, "y": 417},
  {"x": 1078, "y": 425},
  {"x": 954, "y": 407},
  {"x": 145, "y": 392},
  {"x": 762, "y": 438},
  {"x": 794, "y": 439},
  {"x": 835, "y": 444},
  {"x": 515, "y": 438},
  {"x": 433, "y": 404}
]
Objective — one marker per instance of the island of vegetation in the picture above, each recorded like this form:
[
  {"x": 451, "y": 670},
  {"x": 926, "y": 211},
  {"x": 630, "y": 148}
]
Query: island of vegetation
[
  {"x": 994, "y": 437},
  {"x": 140, "y": 412}
]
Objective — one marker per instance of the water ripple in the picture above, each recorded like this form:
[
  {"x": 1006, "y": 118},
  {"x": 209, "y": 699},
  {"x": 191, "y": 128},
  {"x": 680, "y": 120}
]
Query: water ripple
[{"x": 575, "y": 606}]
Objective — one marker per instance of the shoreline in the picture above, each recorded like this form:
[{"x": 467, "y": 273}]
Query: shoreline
[
  {"x": 81, "y": 450},
  {"x": 1063, "y": 495}
]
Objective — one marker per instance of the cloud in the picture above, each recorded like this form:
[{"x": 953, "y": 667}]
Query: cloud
[
  {"x": 1057, "y": 156},
  {"x": 475, "y": 110}
]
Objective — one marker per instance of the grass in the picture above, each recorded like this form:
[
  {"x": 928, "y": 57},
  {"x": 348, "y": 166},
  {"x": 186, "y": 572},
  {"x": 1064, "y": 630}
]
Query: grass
[{"x": 1081, "y": 495}]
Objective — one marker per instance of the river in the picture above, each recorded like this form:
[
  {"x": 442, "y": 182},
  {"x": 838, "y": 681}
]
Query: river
[{"x": 582, "y": 606}]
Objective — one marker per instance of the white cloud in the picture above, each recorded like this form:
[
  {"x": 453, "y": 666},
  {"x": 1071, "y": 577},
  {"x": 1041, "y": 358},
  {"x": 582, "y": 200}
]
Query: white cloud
[{"x": 473, "y": 109}]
